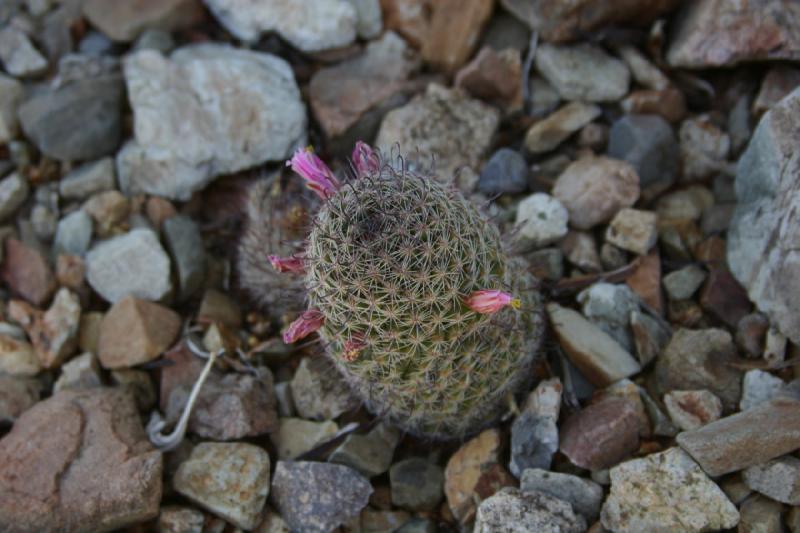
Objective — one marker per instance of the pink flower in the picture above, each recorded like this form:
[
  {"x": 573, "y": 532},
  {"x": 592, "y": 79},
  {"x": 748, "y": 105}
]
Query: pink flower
[
  {"x": 319, "y": 178},
  {"x": 487, "y": 301},
  {"x": 287, "y": 264},
  {"x": 352, "y": 348},
  {"x": 306, "y": 324},
  {"x": 364, "y": 159}
]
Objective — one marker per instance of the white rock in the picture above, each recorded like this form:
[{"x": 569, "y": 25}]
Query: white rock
[
  {"x": 779, "y": 479},
  {"x": 73, "y": 234},
  {"x": 541, "y": 220},
  {"x": 325, "y": 24},
  {"x": 583, "y": 72},
  {"x": 369, "y": 20},
  {"x": 759, "y": 387},
  {"x": 665, "y": 491},
  {"x": 633, "y": 230},
  {"x": 189, "y": 127},
  {"x": 10, "y": 97},
  {"x": 18, "y": 55},
  {"x": 512, "y": 511},
  {"x": 134, "y": 263}
]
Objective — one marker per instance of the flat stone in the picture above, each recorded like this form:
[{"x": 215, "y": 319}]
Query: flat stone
[
  {"x": 700, "y": 359},
  {"x": 135, "y": 331},
  {"x": 583, "y": 72},
  {"x": 445, "y": 123},
  {"x": 534, "y": 433},
  {"x": 681, "y": 284},
  {"x": 679, "y": 496},
  {"x": 760, "y": 515},
  {"x": 73, "y": 234},
  {"x": 454, "y": 30},
  {"x": 704, "y": 148},
  {"x": 13, "y": 193},
  {"x": 541, "y": 220},
  {"x": 17, "y": 395},
  {"x": 759, "y": 387},
  {"x": 463, "y": 472},
  {"x": 691, "y": 409},
  {"x": 548, "y": 133},
  {"x": 185, "y": 245},
  {"x": 370, "y": 454},
  {"x": 133, "y": 264},
  {"x": 494, "y": 76},
  {"x": 583, "y": 494},
  {"x": 514, "y": 511},
  {"x": 416, "y": 484},
  {"x": 318, "y": 497},
  {"x": 27, "y": 272},
  {"x": 318, "y": 391},
  {"x": 11, "y": 92},
  {"x": 81, "y": 372},
  {"x": 182, "y": 143},
  {"x": 79, "y": 460},
  {"x": 601, "y": 435},
  {"x": 649, "y": 336},
  {"x": 18, "y": 55},
  {"x": 296, "y": 436},
  {"x": 341, "y": 94},
  {"x": 175, "y": 519},
  {"x": 75, "y": 121},
  {"x": 331, "y": 24},
  {"x": 231, "y": 480},
  {"x": 716, "y": 33},
  {"x": 768, "y": 186},
  {"x": 779, "y": 479},
  {"x": 125, "y": 20},
  {"x": 505, "y": 172},
  {"x": 598, "y": 356},
  {"x": 593, "y": 189},
  {"x": 633, "y": 230},
  {"x": 88, "y": 179},
  {"x": 745, "y": 439}
]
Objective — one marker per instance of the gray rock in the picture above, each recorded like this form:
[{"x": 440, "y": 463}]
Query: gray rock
[
  {"x": 704, "y": 148},
  {"x": 609, "y": 306},
  {"x": 584, "y": 495},
  {"x": 700, "y": 359},
  {"x": 154, "y": 39},
  {"x": 88, "y": 179},
  {"x": 505, "y": 172},
  {"x": 73, "y": 234},
  {"x": 765, "y": 228},
  {"x": 546, "y": 134},
  {"x": 583, "y": 72},
  {"x": 174, "y": 519},
  {"x": 760, "y": 515},
  {"x": 759, "y": 387},
  {"x": 43, "y": 222},
  {"x": 318, "y": 497},
  {"x": 131, "y": 264},
  {"x": 513, "y": 511},
  {"x": 18, "y": 55},
  {"x": 10, "y": 96},
  {"x": 331, "y": 24},
  {"x": 81, "y": 372},
  {"x": 541, "y": 220},
  {"x": 534, "y": 441},
  {"x": 779, "y": 479},
  {"x": 17, "y": 395},
  {"x": 679, "y": 496},
  {"x": 547, "y": 263},
  {"x": 369, "y": 21},
  {"x": 188, "y": 129},
  {"x": 296, "y": 436},
  {"x": 230, "y": 480},
  {"x": 580, "y": 249},
  {"x": 418, "y": 525},
  {"x": 370, "y": 454},
  {"x": 416, "y": 484},
  {"x": 185, "y": 245},
  {"x": 318, "y": 390},
  {"x": 682, "y": 284},
  {"x": 648, "y": 143},
  {"x": 14, "y": 191},
  {"x": 443, "y": 123}
]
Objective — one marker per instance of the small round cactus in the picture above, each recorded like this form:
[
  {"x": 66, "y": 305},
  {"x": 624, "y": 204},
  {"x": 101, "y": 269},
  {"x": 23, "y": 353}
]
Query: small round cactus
[{"x": 422, "y": 311}]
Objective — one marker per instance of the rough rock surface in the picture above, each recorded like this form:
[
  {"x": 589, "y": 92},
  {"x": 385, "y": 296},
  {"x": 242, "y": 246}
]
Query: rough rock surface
[
  {"x": 765, "y": 230},
  {"x": 79, "y": 461},
  {"x": 189, "y": 129},
  {"x": 512, "y": 511}
]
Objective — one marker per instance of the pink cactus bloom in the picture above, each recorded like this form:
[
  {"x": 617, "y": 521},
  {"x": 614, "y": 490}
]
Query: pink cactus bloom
[
  {"x": 309, "y": 322},
  {"x": 287, "y": 264},
  {"x": 319, "y": 178},
  {"x": 488, "y": 301},
  {"x": 352, "y": 348},
  {"x": 364, "y": 159}
]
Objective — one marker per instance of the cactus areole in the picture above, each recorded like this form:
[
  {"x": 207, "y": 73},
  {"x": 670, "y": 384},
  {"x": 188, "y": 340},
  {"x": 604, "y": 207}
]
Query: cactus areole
[{"x": 417, "y": 303}]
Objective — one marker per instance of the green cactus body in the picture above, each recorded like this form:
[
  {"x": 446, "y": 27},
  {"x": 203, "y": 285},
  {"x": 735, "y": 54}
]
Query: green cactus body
[{"x": 389, "y": 261}]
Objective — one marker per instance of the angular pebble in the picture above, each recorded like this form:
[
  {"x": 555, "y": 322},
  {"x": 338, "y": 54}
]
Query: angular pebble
[
  {"x": 13, "y": 193},
  {"x": 546, "y": 134},
  {"x": 185, "y": 244},
  {"x": 505, "y": 172},
  {"x": 88, "y": 179},
  {"x": 370, "y": 454},
  {"x": 11, "y": 92},
  {"x": 583, "y": 494},
  {"x": 691, "y": 409},
  {"x": 318, "y": 391},
  {"x": 633, "y": 230},
  {"x": 17, "y": 395},
  {"x": 18, "y": 55},
  {"x": 583, "y": 72},
  {"x": 464, "y": 469},
  {"x": 759, "y": 387},
  {"x": 296, "y": 436},
  {"x": 27, "y": 272},
  {"x": 513, "y": 511},
  {"x": 541, "y": 220},
  {"x": 73, "y": 234},
  {"x": 779, "y": 479},
  {"x": 416, "y": 484},
  {"x": 681, "y": 284}
]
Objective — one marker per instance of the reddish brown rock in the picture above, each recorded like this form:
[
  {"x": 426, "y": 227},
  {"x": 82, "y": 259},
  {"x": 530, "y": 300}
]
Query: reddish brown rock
[
  {"x": 158, "y": 210},
  {"x": 778, "y": 82},
  {"x": 646, "y": 281},
  {"x": 749, "y": 438},
  {"x": 751, "y": 331},
  {"x": 124, "y": 20},
  {"x": 79, "y": 461},
  {"x": 669, "y": 103},
  {"x": 409, "y": 18},
  {"x": 136, "y": 331},
  {"x": 691, "y": 409},
  {"x": 601, "y": 435},
  {"x": 454, "y": 31},
  {"x": 717, "y": 33},
  {"x": 27, "y": 273},
  {"x": 71, "y": 272},
  {"x": 465, "y": 469},
  {"x": 724, "y": 298},
  {"x": 495, "y": 77}
]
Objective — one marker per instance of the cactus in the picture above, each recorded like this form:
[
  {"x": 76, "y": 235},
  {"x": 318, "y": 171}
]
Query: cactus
[{"x": 418, "y": 305}]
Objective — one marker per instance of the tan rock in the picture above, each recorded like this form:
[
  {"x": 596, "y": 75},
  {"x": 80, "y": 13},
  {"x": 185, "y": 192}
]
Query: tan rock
[
  {"x": 17, "y": 357},
  {"x": 124, "y": 20},
  {"x": 464, "y": 470},
  {"x": 409, "y": 18},
  {"x": 646, "y": 281},
  {"x": 548, "y": 133},
  {"x": 494, "y": 77},
  {"x": 633, "y": 230},
  {"x": 136, "y": 331},
  {"x": 27, "y": 273},
  {"x": 296, "y": 436},
  {"x": 454, "y": 31}
]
